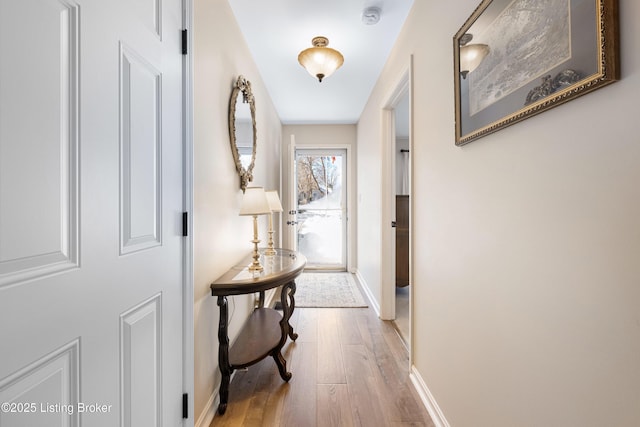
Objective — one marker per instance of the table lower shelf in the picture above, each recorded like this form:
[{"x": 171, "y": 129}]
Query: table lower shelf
[
  {"x": 259, "y": 336},
  {"x": 266, "y": 331}
]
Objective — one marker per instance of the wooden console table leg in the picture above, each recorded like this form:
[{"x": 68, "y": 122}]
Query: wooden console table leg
[
  {"x": 223, "y": 355},
  {"x": 287, "y": 294},
  {"x": 281, "y": 363},
  {"x": 288, "y": 289}
]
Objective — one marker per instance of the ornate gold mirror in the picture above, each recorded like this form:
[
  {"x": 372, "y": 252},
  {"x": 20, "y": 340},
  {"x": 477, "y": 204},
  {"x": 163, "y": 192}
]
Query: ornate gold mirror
[{"x": 242, "y": 130}]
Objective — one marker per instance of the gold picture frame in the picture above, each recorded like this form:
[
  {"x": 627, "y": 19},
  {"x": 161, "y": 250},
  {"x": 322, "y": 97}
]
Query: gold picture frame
[{"x": 530, "y": 56}]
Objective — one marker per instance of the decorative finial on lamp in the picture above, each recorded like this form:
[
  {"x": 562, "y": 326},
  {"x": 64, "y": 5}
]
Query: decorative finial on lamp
[
  {"x": 254, "y": 203},
  {"x": 320, "y": 61},
  {"x": 274, "y": 206}
]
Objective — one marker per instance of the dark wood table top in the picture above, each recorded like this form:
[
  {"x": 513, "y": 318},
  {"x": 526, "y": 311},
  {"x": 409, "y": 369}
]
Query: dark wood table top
[{"x": 279, "y": 269}]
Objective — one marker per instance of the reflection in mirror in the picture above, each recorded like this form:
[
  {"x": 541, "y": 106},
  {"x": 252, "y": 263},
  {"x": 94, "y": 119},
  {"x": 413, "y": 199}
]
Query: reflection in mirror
[{"x": 242, "y": 130}]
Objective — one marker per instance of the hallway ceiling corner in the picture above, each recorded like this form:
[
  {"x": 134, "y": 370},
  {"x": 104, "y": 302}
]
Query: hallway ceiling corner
[{"x": 276, "y": 31}]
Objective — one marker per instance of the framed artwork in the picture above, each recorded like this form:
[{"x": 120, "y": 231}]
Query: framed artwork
[{"x": 517, "y": 58}]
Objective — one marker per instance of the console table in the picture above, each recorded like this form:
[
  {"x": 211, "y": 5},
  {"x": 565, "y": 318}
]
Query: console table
[{"x": 266, "y": 331}]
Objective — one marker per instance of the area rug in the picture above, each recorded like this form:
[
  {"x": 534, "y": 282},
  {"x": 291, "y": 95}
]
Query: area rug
[{"x": 328, "y": 290}]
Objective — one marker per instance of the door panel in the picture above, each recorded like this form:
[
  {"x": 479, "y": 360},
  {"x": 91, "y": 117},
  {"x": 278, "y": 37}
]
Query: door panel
[
  {"x": 141, "y": 363},
  {"x": 54, "y": 378},
  {"x": 91, "y": 193},
  {"x": 38, "y": 139},
  {"x": 140, "y": 161}
]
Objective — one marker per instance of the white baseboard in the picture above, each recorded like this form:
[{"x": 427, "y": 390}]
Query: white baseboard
[
  {"x": 427, "y": 399},
  {"x": 206, "y": 417},
  {"x": 374, "y": 303},
  {"x": 209, "y": 411}
]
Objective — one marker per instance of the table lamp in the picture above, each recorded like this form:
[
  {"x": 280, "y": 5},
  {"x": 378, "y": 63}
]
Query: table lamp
[
  {"x": 254, "y": 203},
  {"x": 274, "y": 206}
]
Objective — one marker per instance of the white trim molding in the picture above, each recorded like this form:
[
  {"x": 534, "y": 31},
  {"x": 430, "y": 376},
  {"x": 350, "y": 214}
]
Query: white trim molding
[
  {"x": 363, "y": 284},
  {"x": 427, "y": 399},
  {"x": 387, "y": 190},
  {"x": 209, "y": 412},
  {"x": 206, "y": 417}
]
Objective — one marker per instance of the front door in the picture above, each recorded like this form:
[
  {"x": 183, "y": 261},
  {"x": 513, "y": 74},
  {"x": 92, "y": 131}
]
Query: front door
[
  {"x": 91, "y": 189},
  {"x": 321, "y": 207}
]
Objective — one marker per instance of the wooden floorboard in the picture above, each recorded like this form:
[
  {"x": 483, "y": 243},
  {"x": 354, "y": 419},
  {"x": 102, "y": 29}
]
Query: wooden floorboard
[
  {"x": 348, "y": 330},
  {"x": 330, "y": 365},
  {"x": 365, "y": 398},
  {"x": 299, "y": 408},
  {"x": 349, "y": 369},
  {"x": 334, "y": 406}
]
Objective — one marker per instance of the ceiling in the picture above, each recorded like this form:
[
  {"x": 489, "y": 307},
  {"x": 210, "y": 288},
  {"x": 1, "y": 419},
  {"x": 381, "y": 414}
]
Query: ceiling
[{"x": 277, "y": 30}]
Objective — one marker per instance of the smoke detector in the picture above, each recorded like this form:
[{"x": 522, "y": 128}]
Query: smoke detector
[{"x": 371, "y": 15}]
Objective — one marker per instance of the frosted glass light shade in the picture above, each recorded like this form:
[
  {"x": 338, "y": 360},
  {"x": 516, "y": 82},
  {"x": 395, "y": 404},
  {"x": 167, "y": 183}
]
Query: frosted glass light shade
[
  {"x": 254, "y": 202},
  {"x": 471, "y": 56},
  {"x": 320, "y": 61},
  {"x": 274, "y": 201}
]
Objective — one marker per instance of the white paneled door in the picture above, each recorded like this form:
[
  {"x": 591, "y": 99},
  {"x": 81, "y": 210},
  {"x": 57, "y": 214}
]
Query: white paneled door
[{"x": 91, "y": 201}]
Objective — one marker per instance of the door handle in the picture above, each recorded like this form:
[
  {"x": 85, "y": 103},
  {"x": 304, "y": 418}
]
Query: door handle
[{"x": 292, "y": 222}]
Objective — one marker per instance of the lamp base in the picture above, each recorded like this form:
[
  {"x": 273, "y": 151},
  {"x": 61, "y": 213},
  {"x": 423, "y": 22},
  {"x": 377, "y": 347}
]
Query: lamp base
[
  {"x": 270, "y": 251},
  {"x": 255, "y": 265}
]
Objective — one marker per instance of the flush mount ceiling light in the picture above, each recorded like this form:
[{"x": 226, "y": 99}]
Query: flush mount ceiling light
[
  {"x": 471, "y": 55},
  {"x": 320, "y": 61}
]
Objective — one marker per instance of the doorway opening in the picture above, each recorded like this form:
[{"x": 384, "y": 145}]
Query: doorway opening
[
  {"x": 402, "y": 220},
  {"x": 321, "y": 207},
  {"x": 396, "y": 269}
]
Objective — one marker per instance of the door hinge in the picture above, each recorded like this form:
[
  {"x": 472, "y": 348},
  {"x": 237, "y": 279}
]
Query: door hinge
[
  {"x": 185, "y": 224},
  {"x": 185, "y": 406},
  {"x": 185, "y": 42}
]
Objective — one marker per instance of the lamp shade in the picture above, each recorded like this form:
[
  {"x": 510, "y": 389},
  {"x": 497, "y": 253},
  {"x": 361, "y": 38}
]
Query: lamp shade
[
  {"x": 471, "y": 56},
  {"x": 320, "y": 61},
  {"x": 274, "y": 201},
  {"x": 254, "y": 202}
]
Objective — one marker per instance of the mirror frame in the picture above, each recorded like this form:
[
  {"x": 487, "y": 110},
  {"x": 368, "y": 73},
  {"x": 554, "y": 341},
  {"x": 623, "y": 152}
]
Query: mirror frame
[
  {"x": 507, "y": 111},
  {"x": 242, "y": 86}
]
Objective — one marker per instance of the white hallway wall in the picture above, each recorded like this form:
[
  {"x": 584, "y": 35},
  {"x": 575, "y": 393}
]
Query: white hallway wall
[
  {"x": 221, "y": 237},
  {"x": 526, "y": 272}
]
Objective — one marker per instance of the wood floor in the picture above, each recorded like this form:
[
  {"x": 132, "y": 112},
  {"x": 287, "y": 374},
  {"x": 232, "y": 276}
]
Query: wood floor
[{"x": 349, "y": 369}]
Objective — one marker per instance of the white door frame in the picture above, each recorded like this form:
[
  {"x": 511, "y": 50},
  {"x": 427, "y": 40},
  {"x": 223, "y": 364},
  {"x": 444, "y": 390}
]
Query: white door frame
[
  {"x": 289, "y": 235},
  {"x": 289, "y": 197},
  {"x": 187, "y": 262},
  {"x": 387, "y": 268}
]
